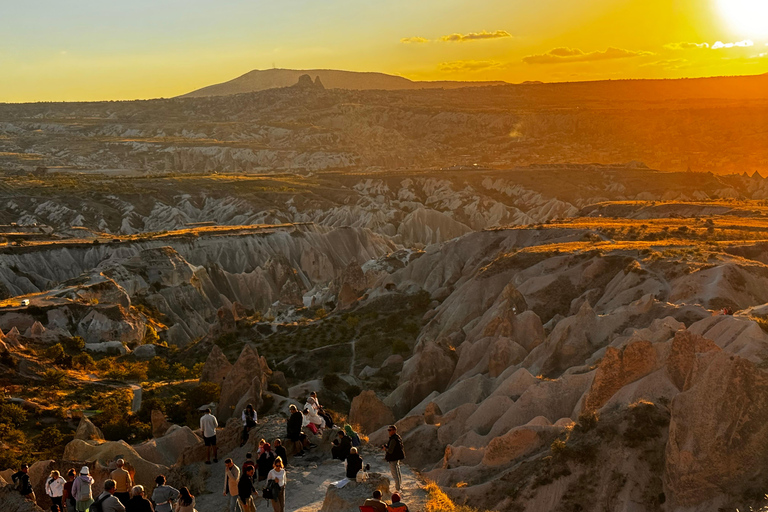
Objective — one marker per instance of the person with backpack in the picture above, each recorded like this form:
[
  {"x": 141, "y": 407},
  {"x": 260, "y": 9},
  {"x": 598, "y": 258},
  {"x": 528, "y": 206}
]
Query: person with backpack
[
  {"x": 266, "y": 462},
  {"x": 23, "y": 484},
  {"x": 67, "y": 498},
  {"x": 277, "y": 481},
  {"x": 81, "y": 490},
  {"x": 107, "y": 502},
  {"x": 250, "y": 419},
  {"x": 54, "y": 488},
  {"x": 164, "y": 495},
  {"x": 394, "y": 453}
]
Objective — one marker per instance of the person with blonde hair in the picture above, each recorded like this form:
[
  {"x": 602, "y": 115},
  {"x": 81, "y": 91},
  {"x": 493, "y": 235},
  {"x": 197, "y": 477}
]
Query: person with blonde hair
[
  {"x": 277, "y": 475},
  {"x": 54, "y": 488},
  {"x": 138, "y": 503}
]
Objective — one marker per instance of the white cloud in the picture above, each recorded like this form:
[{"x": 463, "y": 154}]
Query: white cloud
[{"x": 740, "y": 44}]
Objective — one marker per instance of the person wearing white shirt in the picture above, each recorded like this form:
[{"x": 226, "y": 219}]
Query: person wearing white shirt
[
  {"x": 277, "y": 475},
  {"x": 54, "y": 487},
  {"x": 208, "y": 424}
]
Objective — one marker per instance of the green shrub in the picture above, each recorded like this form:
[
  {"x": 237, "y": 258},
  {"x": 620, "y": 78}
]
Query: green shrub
[
  {"x": 158, "y": 368},
  {"x": 83, "y": 361},
  {"x": 74, "y": 344},
  {"x": 54, "y": 378}
]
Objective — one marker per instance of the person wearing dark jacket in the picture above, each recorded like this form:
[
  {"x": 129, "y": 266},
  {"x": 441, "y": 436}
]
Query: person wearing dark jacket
[
  {"x": 280, "y": 451},
  {"x": 341, "y": 446},
  {"x": 138, "y": 503},
  {"x": 354, "y": 464},
  {"x": 394, "y": 453},
  {"x": 245, "y": 491},
  {"x": 266, "y": 462},
  {"x": 293, "y": 430},
  {"x": 23, "y": 483}
]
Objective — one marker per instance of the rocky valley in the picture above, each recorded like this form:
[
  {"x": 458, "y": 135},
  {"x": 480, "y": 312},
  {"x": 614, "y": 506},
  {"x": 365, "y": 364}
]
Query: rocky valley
[{"x": 550, "y": 330}]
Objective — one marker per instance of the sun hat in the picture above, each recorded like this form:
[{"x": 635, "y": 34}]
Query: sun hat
[{"x": 85, "y": 471}]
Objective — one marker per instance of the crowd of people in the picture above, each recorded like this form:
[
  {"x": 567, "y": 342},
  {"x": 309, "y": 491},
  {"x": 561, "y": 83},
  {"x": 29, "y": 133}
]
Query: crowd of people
[{"x": 242, "y": 485}]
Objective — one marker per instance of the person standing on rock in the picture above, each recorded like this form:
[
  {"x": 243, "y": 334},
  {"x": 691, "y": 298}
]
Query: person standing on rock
[
  {"x": 23, "y": 484},
  {"x": 67, "y": 497},
  {"x": 138, "y": 503},
  {"x": 208, "y": 425},
  {"x": 164, "y": 495},
  {"x": 280, "y": 451},
  {"x": 266, "y": 462},
  {"x": 277, "y": 475},
  {"x": 107, "y": 499},
  {"x": 250, "y": 419},
  {"x": 293, "y": 430},
  {"x": 231, "y": 478},
  {"x": 375, "y": 502},
  {"x": 123, "y": 481},
  {"x": 394, "y": 453},
  {"x": 81, "y": 490},
  {"x": 246, "y": 490},
  {"x": 54, "y": 488}
]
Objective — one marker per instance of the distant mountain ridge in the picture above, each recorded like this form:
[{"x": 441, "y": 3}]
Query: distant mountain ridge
[{"x": 261, "y": 79}]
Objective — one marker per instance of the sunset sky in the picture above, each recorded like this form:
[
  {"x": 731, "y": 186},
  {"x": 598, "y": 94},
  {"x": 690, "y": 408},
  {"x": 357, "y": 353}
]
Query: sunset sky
[{"x": 96, "y": 49}]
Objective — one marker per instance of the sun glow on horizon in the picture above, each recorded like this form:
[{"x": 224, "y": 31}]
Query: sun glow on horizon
[{"x": 747, "y": 17}]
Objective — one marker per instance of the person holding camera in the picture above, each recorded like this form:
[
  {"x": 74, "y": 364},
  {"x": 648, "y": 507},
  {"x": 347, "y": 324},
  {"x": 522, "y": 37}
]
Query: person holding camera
[{"x": 394, "y": 453}]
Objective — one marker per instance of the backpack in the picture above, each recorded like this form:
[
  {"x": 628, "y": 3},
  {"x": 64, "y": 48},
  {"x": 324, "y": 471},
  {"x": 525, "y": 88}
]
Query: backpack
[{"x": 98, "y": 505}]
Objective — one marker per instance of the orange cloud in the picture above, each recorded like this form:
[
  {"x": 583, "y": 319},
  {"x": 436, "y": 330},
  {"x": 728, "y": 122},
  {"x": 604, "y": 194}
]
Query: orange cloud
[
  {"x": 560, "y": 55},
  {"x": 468, "y": 65},
  {"x": 408, "y": 40},
  {"x": 476, "y": 36}
]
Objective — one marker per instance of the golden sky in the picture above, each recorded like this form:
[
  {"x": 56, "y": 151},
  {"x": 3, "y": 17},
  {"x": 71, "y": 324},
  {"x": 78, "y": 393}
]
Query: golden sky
[{"x": 52, "y": 50}]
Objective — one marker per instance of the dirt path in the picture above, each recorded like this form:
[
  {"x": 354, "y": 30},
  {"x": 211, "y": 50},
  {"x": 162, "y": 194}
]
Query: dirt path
[{"x": 308, "y": 479}]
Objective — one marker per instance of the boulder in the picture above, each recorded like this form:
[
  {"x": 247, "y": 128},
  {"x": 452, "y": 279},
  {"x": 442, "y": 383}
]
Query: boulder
[
  {"x": 106, "y": 452},
  {"x": 717, "y": 430},
  {"x": 350, "y": 497},
  {"x": 159, "y": 424},
  {"x": 504, "y": 353},
  {"x": 145, "y": 352},
  {"x": 428, "y": 370},
  {"x": 518, "y": 442},
  {"x": 244, "y": 383},
  {"x": 107, "y": 347},
  {"x": 87, "y": 431},
  {"x": 216, "y": 366},
  {"x": 619, "y": 368},
  {"x": 369, "y": 412},
  {"x": 682, "y": 361},
  {"x": 178, "y": 446},
  {"x": 422, "y": 447}
]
